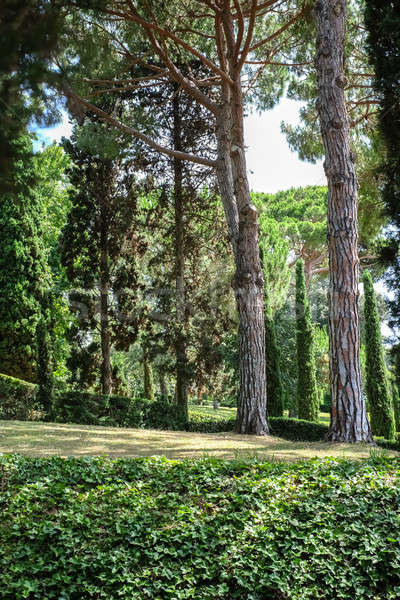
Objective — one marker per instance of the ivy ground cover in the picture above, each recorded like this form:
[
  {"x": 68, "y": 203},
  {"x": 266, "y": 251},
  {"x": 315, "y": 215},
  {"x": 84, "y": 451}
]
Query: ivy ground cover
[{"x": 206, "y": 529}]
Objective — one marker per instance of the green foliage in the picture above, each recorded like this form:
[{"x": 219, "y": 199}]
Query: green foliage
[
  {"x": 148, "y": 387},
  {"x": 272, "y": 365},
  {"x": 44, "y": 363},
  {"x": 209, "y": 423},
  {"x": 23, "y": 268},
  {"x": 272, "y": 358},
  {"x": 378, "y": 393},
  {"x": 99, "y": 409},
  {"x": 210, "y": 529},
  {"x": 396, "y": 405},
  {"x": 17, "y": 398},
  {"x": 382, "y": 21},
  {"x": 298, "y": 430},
  {"x": 274, "y": 250},
  {"x": 307, "y": 393},
  {"x": 300, "y": 214}
]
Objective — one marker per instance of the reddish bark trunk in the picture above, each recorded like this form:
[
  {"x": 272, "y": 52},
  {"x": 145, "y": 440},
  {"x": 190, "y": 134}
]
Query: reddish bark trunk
[
  {"x": 349, "y": 420},
  {"x": 242, "y": 219}
]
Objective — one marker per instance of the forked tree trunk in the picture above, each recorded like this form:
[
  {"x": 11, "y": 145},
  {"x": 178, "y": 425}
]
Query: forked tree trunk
[
  {"x": 106, "y": 371},
  {"x": 242, "y": 219},
  {"x": 180, "y": 338},
  {"x": 349, "y": 420}
]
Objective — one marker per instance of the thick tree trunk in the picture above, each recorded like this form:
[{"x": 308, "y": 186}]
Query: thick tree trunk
[
  {"x": 248, "y": 281},
  {"x": 106, "y": 372},
  {"x": 180, "y": 340},
  {"x": 349, "y": 420}
]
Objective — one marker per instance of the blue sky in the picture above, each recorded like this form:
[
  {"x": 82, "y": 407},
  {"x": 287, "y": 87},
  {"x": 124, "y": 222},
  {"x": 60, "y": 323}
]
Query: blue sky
[{"x": 271, "y": 164}]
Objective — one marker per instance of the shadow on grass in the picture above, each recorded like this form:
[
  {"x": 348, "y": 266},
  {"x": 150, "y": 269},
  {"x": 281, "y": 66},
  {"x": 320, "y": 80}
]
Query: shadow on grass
[{"x": 46, "y": 439}]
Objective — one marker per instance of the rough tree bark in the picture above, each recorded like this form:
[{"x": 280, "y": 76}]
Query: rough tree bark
[
  {"x": 180, "y": 338},
  {"x": 236, "y": 36},
  {"x": 349, "y": 420},
  {"x": 242, "y": 219},
  {"x": 106, "y": 371}
]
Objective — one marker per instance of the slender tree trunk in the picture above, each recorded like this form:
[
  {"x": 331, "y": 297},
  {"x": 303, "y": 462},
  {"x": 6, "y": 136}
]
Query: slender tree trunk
[
  {"x": 148, "y": 382},
  {"x": 106, "y": 372},
  {"x": 180, "y": 340},
  {"x": 349, "y": 420},
  {"x": 242, "y": 218}
]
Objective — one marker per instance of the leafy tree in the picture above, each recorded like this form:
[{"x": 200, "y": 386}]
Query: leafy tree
[
  {"x": 378, "y": 393},
  {"x": 45, "y": 362},
  {"x": 99, "y": 250},
  {"x": 396, "y": 405},
  {"x": 301, "y": 217},
  {"x": 274, "y": 261},
  {"x": 383, "y": 24},
  {"x": 228, "y": 40},
  {"x": 29, "y": 33},
  {"x": 24, "y": 274},
  {"x": 307, "y": 393}
]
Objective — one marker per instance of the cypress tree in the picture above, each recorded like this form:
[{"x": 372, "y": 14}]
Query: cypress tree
[
  {"x": 24, "y": 272},
  {"x": 382, "y": 21},
  {"x": 378, "y": 394},
  {"x": 307, "y": 393},
  {"x": 44, "y": 366},
  {"x": 273, "y": 255},
  {"x": 396, "y": 405},
  {"x": 272, "y": 365}
]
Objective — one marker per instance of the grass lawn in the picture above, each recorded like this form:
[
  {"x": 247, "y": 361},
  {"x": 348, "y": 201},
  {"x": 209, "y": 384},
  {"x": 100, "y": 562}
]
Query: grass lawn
[
  {"x": 226, "y": 412},
  {"x": 47, "y": 439}
]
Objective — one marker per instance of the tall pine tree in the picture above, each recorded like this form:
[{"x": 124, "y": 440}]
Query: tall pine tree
[
  {"x": 307, "y": 394},
  {"x": 378, "y": 393}
]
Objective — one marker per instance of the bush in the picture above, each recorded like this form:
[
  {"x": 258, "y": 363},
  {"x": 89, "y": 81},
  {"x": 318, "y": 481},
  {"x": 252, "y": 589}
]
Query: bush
[
  {"x": 204, "y": 423},
  {"x": 297, "y": 430},
  {"x": 119, "y": 411},
  {"x": 208, "y": 529},
  {"x": 17, "y": 399}
]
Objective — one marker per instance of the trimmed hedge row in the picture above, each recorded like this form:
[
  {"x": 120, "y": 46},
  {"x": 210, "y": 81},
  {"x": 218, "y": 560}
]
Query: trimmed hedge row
[
  {"x": 17, "y": 399},
  {"x": 297, "y": 430},
  {"x": 97, "y": 409},
  {"x": 18, "y": 402}
]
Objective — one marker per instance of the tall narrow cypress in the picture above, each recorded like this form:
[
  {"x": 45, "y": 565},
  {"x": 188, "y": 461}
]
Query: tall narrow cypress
[
  {"x": 378, "y": 394},
  {"x": 307, "y": 393},
  {"x": 272, "y": 358},
  {"x": 396, "y": 406},
  {"x": 272, "y": 365}
]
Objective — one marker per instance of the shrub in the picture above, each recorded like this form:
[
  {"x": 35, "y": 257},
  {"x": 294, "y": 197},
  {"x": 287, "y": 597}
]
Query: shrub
[
  {"x": 17, "y": 399},
  {"x": 204, "y": 423},
  {"x": 99, "y": 409},
  {"x": 297, "y": 430},
  {"x": 81, "y": 407},
  {"x": 209, "y": 529}
]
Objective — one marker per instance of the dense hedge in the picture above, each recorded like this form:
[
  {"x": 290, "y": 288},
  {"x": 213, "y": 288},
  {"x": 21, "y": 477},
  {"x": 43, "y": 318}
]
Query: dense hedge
[
  {"x": 298, "y": 430},
  {"x": 139, "y": 529},
  {"x": 98, "y": 409},
  {"x": 17, "y": 398}
]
